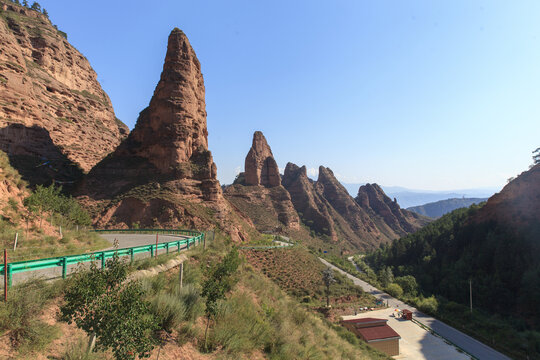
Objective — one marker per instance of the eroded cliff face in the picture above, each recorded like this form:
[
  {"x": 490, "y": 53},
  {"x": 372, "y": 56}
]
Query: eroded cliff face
[
  {"x": 517, "y": 204},
  {"x": 56, "y": 122},
  {"x": 373, "y": 200},
  {"x": 259, "y": 196},
  {"x": 260, "y": 166},
  {"x": 326, "y": 208},
  {"x": 163, "y": 173}
]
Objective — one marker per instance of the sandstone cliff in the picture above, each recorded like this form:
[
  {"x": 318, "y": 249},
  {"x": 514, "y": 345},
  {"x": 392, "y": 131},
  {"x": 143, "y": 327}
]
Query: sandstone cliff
[
  {"x": 373, "y": 200},
  {"x": 327, "y": 209},
  {"x": 260, "y": 166},
  {"x": 56, "y": 122},
  {"x": 163, "y": 174},
  {"x": 517, "y": 204},
  {"x": 259, "y": 195}
]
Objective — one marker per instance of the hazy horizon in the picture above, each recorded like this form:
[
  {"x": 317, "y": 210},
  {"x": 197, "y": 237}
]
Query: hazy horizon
[{"x": 421, "y": 95}]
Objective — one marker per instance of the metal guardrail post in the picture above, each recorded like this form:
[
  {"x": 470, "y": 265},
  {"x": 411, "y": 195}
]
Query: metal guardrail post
[
  {"x": 178, "y": 246},
  {"x": 188, "y": 243},
  {"x": 151, "y": 250},
  {"x": 131, "y": 253},
  {"x": 9, "y": 275},
  {"x": 64, "y": 267},
  {"x": 102, "y": 260},
  {"x": 167, "y": 247}
]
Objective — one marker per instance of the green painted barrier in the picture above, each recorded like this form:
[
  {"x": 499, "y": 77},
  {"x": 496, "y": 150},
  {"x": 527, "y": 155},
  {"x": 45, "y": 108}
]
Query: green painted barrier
[{"x": 63, "y": 261}]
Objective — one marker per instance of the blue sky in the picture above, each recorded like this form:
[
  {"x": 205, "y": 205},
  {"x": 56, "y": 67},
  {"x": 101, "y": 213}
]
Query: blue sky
[{"x": 423, "y": 94}]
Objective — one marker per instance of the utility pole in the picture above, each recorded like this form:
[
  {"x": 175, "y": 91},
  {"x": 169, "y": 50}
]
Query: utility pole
[{"x": 470, "y": 293}]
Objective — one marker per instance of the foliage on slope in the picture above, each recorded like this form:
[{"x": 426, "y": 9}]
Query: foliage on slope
[{"x": 502, "y": 263}]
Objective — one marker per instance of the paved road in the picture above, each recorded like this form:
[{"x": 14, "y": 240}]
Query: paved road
[
  {"x": 124, "y": 241},
  {"x": 474, "y": 347}
]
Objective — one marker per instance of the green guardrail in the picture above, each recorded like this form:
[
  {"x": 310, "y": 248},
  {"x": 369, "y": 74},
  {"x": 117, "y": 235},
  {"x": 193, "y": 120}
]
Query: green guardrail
[{"x": 63, "y": 261}]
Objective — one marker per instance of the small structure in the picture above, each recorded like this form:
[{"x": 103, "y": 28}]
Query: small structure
[
  {"x": 376, "y": 333},
  {"x": 406, "y": 314}
]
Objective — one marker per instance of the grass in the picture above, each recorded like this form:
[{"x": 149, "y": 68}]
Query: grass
[{"x": 19, "y": 317}]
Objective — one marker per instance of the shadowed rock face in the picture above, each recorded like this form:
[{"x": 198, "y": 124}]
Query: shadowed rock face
[
  {"x": 326, "y": 207},
  {"x": 170, "y": 140},
  {"x": 260, "y": 166},
  {"x": 517, "y": 204},
  {"x": 372, "y": 198},
  {"x": 163, "y": 174},
  {"x": 45, "y": 83},
  {"x": 258, "y": 193}
]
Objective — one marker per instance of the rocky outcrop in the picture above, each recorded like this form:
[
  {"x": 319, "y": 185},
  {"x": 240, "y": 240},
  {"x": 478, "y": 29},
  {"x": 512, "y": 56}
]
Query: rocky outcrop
[
  {"x": 373, "y": 200},
  {"x": 327, "y": 209},
  {"x": 48, "y": 88},
  {"x": 517, "y": 204},
  {"x": 260, "y": 166},
  {"x": 257, "y": 193},
  {"x": 163, "y": 173}
]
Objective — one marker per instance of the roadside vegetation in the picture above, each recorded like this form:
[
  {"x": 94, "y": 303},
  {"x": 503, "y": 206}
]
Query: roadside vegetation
[
  {"x": 431, "y": 269},
  {"x": 225, "y": 308}
]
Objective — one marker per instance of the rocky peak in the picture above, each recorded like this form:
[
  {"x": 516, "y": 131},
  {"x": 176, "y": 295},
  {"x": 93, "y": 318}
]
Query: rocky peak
[
  {"x": 260, "y": 166},
  {"x": 55, "y": 119},
  {"x": 172, "y": 129},
  {"x": 170, "y": 140},
  {"x": 373, "y": 199}
]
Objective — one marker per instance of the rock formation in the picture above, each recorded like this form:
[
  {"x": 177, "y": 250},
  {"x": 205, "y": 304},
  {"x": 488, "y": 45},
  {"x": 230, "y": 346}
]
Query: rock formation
[
  {"x": 372, "y": 199},
  {"x": 258, "y": 193},
  {"x": 56, "y": 122},
  {"x": 326, "y": 208},
  {"x": 517, "y": 204},
  {"x": 260, "y": 166},
  {"x": 163, "y": 173}
]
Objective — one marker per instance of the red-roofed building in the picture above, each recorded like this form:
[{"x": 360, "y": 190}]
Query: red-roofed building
[{"x": 376, "y": 333}]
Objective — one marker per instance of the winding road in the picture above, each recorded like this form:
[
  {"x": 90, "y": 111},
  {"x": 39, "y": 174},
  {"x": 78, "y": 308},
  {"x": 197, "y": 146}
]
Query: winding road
[{"x": 467, "y": 343}]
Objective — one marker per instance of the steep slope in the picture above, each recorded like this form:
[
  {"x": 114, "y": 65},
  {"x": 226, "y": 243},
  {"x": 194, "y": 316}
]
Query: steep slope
[
  {"x": 258, "y": 193},
  {"x": 56, "y": 122},
  {"x": 326, "y": 208},
  {"x": 163, "y": 173},
  {"x": 496, "y": 246},
  {"x": 373, "y": 200},
  {"x": 439, "y": 208}
]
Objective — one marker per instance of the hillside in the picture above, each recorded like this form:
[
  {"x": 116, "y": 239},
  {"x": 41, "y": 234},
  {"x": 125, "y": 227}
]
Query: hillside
[
  {"x": 439, "y": 208},
  {"x": 320, "y": 212},
  {"x": 163, "y": 173},
  {"x": 496, "y": 246},
  {"x": 56, "y": 122}
]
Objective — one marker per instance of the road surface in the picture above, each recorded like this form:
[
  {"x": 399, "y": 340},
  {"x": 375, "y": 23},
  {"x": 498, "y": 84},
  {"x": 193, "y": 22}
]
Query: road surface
[
  {"x": 472, "y": 346},
  {"x": 124, "y": 241}
]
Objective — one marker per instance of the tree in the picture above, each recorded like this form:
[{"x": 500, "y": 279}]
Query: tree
[
  {"x": 219, "y": 281},
  {"x": 111, "y": 309},
  {"x": 25, "y": 3},
  {"x": 328, "y": 279},
  {"x": 43, "y": 199},
  {"x": 45, "y": 12},
  {"x": 408, "y": 284},
  {"x": 36, "y": 6},
  {"x": 536, "y": 156},
  {"x": 395, "y": 290}
]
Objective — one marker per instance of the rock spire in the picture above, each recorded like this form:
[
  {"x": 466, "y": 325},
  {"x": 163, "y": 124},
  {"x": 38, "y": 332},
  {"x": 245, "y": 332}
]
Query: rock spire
[{"x": 260, "y": 166}]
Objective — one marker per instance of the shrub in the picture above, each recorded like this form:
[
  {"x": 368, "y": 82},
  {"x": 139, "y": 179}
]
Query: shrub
[
  {"x": 395, "y": 290},
  {"x": 168, "y": 310},
  {"x": 20, "y": 314},
  {"x": 428, "y": 305}
]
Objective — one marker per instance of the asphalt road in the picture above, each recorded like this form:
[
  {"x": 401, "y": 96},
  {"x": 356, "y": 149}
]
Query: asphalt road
[
  {"x": 472, "y": 346},
  {"x": 124, "y": 241}
]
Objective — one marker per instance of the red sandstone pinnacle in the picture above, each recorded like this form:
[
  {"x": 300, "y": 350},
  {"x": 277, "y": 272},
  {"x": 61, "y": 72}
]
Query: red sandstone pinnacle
[{"x": 260, "y": 166}]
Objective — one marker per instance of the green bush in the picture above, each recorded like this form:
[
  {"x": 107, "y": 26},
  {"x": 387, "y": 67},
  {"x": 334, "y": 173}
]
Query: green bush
[
  {"x": 428, "y": 305},
  {"x": 168, "y": 310},
  {"x": 395, "y": 290},
  {"x": 20, "y": 315}
]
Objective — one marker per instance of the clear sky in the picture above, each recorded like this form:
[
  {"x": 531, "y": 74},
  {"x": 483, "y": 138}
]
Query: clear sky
[{"x": 423, "y": 94}]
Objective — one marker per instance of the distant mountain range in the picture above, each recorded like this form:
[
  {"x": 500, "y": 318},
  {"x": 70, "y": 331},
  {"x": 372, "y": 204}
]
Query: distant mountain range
[
  {"x": 441, "y": 207},
  {"x": 412, "y": 197}
]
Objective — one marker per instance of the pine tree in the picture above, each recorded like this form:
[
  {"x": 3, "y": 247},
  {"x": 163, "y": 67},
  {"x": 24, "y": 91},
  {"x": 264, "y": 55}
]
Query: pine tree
[
  {"x": 25, "y": 3},
  {"x": 36, "y": 6},
  {"x": 46, "y": 13}
]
